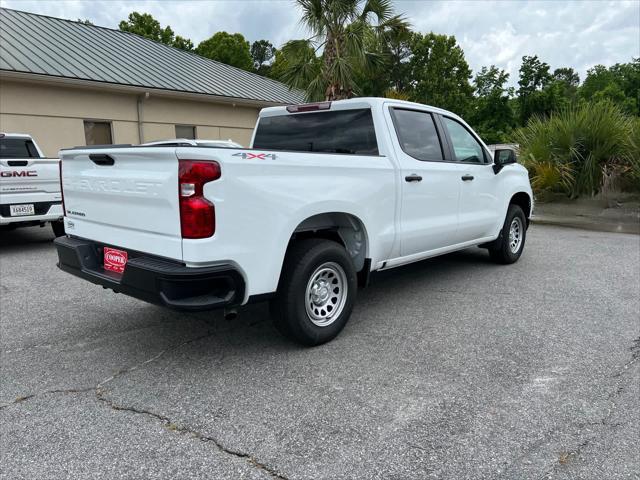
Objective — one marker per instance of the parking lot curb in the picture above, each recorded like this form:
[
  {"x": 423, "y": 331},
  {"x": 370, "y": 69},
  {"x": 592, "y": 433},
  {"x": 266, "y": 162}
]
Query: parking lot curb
[{"x": 588, "y": 224}]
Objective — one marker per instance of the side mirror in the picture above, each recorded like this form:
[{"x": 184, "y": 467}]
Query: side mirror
[{"x": 503, "y": 157}]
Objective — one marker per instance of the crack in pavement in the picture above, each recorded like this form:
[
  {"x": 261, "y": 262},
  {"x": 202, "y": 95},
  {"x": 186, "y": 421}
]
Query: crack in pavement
[
  {"x": 566, "y": 456},
  {"x": 170, "y": 425},
  {"x": 100, "y": 395},
  {"x": 46, "y": 392}
]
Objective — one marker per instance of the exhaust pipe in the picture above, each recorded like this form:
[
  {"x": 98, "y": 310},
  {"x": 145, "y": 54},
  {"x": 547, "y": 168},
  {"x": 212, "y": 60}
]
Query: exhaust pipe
[{"x": 230, "y": 313}]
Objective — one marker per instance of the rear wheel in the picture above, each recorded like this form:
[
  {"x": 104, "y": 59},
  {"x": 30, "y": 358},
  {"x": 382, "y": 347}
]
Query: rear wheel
[
  {"x": 58, "y": 228},
  {"x": 316, "y": 293},
  {"x": 509, "y": 245}
]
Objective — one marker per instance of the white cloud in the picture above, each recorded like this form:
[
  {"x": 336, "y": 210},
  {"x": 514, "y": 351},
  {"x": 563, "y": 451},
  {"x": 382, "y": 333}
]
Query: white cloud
[{"x": 579, "y": 34}]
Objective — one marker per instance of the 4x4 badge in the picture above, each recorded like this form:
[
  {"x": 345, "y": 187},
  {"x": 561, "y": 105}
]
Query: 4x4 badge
[{"x": 259, "y": 156}]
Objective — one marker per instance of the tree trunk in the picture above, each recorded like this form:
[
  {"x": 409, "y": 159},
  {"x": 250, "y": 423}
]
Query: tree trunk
[
  {"x": 329, "y": 58},
  {"x": 334, "y": 90}
]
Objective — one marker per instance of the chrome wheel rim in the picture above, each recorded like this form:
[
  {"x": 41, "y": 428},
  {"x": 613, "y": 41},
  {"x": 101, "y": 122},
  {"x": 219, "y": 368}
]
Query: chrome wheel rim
[
  {"x": 326, "y": 294},
  {"x": 515, "y": 235}
]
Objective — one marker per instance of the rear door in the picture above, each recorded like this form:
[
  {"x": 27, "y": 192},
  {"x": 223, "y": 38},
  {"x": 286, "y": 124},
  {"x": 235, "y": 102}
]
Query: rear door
[
  {"x": 430, "y": 182},
  {"x": 125, "y": 197},
  {"x": 479, "y": 209}
]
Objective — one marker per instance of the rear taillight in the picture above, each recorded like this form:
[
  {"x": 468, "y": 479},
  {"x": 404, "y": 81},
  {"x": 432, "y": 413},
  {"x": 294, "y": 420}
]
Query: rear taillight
[
  {"x": 64, "y": 212},
  {"x": 197, "y": 214}
]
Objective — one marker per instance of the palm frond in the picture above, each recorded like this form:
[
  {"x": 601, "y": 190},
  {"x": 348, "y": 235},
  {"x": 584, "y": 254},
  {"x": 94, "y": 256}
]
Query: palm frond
[
  {"x": 301, "y": 66},
  {"x": 354, "y": 35},
  {"x": 354, "y": 41},
  {"x": 382, "y": 9},
  {"x": 590, "y": 139},
  {"x": 313, "y": 15},
  {"x": 341, "y": 71}
]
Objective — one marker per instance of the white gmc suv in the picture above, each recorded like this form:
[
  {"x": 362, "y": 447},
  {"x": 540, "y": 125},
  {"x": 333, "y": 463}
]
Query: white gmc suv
[
  {"x": 327, "y": 194},
  {"x": 29, "y": 185}
]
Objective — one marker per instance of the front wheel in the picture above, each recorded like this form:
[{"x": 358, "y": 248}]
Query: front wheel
[
  {"x": 509, "y": 245},
  {"x": 58, "y": 228},
  {"x": 316, "y": 293}
]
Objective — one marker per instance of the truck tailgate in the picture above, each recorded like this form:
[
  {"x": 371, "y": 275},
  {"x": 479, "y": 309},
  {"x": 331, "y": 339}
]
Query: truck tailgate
[
  {"x": 125, "y": 197},
  {"x": 29, "y": 180}
]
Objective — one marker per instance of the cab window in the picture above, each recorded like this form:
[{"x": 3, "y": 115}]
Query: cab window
[
  {"x": 465, "y": 146},
  {"x": 417, "y": 134}
]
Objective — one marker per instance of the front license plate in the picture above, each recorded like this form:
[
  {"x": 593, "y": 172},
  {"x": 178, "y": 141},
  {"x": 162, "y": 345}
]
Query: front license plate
[
  {"x": 22, "y": 210},
  {"x": 115, "y": 260}
]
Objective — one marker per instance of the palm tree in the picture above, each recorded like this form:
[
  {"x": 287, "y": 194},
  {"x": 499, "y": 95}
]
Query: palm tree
[{"x": 349, "y": 33}]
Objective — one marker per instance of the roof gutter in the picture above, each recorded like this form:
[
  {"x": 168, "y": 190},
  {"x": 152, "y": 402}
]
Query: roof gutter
[{"x": 121, "y": 88}]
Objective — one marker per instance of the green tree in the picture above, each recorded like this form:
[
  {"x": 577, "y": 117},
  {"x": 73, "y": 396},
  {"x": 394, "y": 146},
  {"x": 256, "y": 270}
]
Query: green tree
[
  {"x": 398, "y": 52},
  {"x": 567, "y": 75},
  {"x": 145, "y": 25},
  {"x": 627, "y": 75},
  {"x": 439, "y": 72},
  {"x": 534, "y": 78},
  {"x": 277, "y": 66},
  {"x": 262, "y": 51},
  {"x": 228, "y": 48},
  {"x": 183, "y": 43},
  {"x": 619, "y": 84},
  {"x": 391, "y": 78},
  {"x": 343, "y": 30},
  {"x": 562, "y": 91},
  {"x": 492, "y": 115}
]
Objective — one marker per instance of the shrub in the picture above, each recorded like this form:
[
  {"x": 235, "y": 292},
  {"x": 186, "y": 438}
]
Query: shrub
[
  {"x": 635, "y": 154},
  {"x": 575, "y": 149}
]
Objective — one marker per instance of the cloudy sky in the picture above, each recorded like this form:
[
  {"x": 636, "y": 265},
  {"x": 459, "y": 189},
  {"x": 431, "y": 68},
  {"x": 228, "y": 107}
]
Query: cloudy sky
[{"x": 579, "y": 34}]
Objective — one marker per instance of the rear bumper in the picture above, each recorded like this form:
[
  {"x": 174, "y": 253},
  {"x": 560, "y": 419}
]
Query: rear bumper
[
  {"x": 153, "y": 279},
  {"x": 44, "y": 212}
]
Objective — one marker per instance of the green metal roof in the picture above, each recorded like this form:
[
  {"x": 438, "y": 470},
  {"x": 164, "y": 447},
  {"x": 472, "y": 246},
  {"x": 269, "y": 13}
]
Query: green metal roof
[{"x": 42, "y": 45}]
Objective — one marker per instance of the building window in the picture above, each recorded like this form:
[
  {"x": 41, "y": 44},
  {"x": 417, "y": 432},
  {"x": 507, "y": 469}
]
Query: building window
[
  {"x": 186, "y": 131},
  {"x": 97, "y": 133}
]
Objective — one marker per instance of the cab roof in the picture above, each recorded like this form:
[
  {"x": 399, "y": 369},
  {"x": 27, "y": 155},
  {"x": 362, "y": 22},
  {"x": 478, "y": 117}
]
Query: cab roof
[{"x": 351, "y": 103}]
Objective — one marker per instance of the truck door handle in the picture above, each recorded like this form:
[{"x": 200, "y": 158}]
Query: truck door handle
[
  {"x": 467, "y": 178},
  {"x": 101, "y": 159},
  {"x": 413, "y": 178}
]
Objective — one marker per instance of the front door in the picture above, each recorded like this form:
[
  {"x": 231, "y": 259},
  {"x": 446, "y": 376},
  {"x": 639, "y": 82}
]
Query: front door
[{"x": 430, "y": 185}]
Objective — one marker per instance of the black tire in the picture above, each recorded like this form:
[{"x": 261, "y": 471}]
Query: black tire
[
  {"x": 501, "y": 250},
  {"x": 58, "y": 228},
  {"x": 289, "y": 308}
]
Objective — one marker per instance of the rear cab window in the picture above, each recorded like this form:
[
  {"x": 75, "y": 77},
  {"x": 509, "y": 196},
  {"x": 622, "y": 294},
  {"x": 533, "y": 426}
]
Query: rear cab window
[
  {"x": 334, "y": 131},
  {"x": 17, "y": 148}
]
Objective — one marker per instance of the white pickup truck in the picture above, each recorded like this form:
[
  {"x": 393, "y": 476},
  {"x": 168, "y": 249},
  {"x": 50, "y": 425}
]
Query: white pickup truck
[
  {"x": 327, "y": 194},
  {"x": 29, "y": 185}
]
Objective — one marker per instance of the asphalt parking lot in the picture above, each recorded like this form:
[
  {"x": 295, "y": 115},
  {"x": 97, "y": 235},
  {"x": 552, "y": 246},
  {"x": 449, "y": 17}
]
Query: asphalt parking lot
[{"x": 452, "y": 368}]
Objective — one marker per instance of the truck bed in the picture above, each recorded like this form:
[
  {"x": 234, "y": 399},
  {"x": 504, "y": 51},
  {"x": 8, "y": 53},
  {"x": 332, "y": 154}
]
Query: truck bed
[{"x": 260, "y": 199}]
